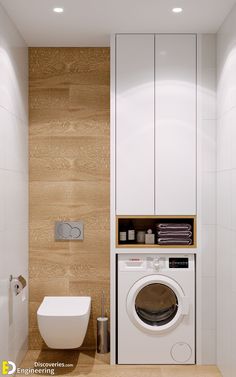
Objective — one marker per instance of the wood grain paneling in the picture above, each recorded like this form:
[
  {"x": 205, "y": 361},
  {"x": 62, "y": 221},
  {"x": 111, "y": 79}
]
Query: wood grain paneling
[{"x": 69, "y": 176}]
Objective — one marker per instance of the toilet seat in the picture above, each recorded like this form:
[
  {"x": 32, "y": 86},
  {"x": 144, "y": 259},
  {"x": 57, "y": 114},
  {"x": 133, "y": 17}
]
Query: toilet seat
[{"x": 64, "y": 306}]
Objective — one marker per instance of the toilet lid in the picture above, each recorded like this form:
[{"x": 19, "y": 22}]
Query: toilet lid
[{"x": 64, "y": 306}]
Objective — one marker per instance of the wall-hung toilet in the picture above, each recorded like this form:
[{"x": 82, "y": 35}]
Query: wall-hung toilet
[{"x": 63, "y": 321}]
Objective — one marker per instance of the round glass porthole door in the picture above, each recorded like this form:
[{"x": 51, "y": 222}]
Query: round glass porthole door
[{"x": 156, "y": 304}]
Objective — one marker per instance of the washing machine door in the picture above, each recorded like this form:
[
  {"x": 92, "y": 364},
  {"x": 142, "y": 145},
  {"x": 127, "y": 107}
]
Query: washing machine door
[{"x": 156, "y": 304}]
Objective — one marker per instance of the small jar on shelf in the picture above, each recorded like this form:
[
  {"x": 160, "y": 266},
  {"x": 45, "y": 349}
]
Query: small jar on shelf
[
  {"x": 122, "y": 234},
  {"x": 131, "y": 233}
]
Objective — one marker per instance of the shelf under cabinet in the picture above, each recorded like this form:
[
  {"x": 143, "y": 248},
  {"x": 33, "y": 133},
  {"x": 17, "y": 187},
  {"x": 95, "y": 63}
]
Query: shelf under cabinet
[{"x": 149, "y": 222}]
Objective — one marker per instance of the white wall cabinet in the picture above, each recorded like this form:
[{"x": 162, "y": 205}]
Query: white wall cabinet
[
  {"x": 155, "y": 124},
  {"x": 175, "y": 122},
  {"x": 135, "y": 124}
]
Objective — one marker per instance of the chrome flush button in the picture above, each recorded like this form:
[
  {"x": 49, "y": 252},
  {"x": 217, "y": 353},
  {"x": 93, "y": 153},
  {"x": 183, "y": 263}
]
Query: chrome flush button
[{"x": 69, "y": 230}]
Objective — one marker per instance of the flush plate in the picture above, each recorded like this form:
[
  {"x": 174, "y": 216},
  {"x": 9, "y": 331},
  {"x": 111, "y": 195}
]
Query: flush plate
[{"x": 69, "y": 230}]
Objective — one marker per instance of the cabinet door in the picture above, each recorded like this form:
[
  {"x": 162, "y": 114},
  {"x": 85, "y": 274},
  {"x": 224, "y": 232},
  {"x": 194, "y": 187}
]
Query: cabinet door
[
  {"x": 135, "y": 124},
  {"x": 175, "y": 135}
]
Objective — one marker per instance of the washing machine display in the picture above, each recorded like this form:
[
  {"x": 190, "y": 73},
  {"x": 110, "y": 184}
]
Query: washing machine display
[
  {"x": 156, "y": 310},
  {"x": 178, "y": 262}
]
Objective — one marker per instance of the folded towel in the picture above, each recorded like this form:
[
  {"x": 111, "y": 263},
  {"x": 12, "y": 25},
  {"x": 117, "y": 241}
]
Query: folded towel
[
  {"x": 174, "y": 241},
  {"x": 174, "y": 226},
  {"x": 173, "y": 234}
]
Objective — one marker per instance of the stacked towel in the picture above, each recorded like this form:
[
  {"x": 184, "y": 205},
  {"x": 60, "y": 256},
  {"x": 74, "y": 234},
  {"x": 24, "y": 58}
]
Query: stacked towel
[{"x": 174, "y": 234}]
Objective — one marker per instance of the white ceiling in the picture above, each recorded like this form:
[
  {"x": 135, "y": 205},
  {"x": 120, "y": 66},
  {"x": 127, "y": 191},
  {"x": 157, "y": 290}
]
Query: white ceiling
[{"x": 90, "y": 22}]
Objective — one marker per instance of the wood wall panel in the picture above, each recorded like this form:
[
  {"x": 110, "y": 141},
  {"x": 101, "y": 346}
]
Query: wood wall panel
[{"x": 69, "y": 176}]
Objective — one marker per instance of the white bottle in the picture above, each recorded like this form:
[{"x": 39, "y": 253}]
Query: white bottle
[{"x": 149, "y": 237}]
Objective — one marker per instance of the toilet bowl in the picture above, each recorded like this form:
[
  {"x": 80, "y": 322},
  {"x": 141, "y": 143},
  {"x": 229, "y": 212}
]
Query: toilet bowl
[{"x": 63, "y": 321}]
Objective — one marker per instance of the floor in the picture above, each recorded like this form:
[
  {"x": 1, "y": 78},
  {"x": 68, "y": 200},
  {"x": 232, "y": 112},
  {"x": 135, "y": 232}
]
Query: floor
[{"x": 90, "y": 364}]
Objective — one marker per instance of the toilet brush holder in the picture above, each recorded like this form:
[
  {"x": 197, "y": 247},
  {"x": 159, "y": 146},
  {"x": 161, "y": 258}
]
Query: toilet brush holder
[
  {"x": 102, "y": 335},
  {"x": 102, "y": 329}
]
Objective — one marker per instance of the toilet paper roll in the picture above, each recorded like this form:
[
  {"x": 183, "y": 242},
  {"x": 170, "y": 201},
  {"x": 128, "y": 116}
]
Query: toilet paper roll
[{"x": 18, "y": 284}]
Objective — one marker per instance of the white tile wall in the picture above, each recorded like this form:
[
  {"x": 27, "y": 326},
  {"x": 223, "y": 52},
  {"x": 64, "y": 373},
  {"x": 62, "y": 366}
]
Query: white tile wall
[
  {"x": 13, "y": 188},
  {"x": 209, "y": 198},
  {"x": 207, "y": 205},
  {"x": 209, "y": 303},
  {"x": 209, "y": 346},
  {"x": 233, "y": 198},
  {"x": 209, "y": 251},
  {"x": 224, "y": 198},
  {"x": 224, "y": 142},
  {"x": 209, "y": 145},
  {"x": 226, "y": 202}
]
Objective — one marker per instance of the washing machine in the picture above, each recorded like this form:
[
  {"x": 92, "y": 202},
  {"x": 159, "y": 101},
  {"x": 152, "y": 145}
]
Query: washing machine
[{"x": 155, "y": 309}]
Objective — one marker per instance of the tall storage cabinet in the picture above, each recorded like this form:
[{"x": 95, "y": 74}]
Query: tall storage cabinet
[
  {"x": 155, "y": 124},
  {"x": 135, "y": 124},
  {"x": 175, "y": 124}
]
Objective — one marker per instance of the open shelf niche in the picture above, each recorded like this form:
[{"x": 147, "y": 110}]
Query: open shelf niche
[{"x": 143, "y": 223}]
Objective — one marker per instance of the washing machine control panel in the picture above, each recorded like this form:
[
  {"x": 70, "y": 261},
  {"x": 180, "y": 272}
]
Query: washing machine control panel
[
  {"x": 178, "y": 262},
  {"x": 155, "y": 263}
]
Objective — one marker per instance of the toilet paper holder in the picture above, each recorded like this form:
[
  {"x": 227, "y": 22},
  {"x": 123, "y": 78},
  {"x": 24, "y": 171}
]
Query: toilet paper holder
[{"x": 18, "y": 283}]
